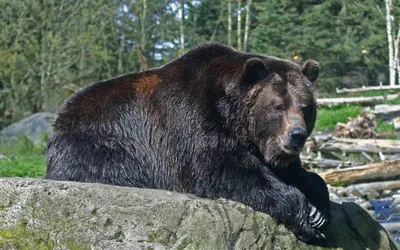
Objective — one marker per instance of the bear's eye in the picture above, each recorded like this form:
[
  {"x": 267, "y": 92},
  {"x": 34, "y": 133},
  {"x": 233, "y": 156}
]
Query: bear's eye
[
  {"x": 305, "y": 109},
  {"x": 279, "y": 107}
]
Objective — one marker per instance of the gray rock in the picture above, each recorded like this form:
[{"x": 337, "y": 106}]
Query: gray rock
[
  {"x": 32, "y": 127},
  {"x": 365, "y": 204},
  {"x": 386, "y": 193},
  {"x": 43, "y": 214}
]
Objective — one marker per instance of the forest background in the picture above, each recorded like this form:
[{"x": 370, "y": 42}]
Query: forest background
[{"x": 51, "y": 48}]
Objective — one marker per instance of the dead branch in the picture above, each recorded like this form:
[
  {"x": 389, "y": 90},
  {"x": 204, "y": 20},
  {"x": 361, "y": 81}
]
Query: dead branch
[
  {"x": 358, "y": 100},
  {"x": 364, "y": 89},
  {"x": 377, "y": 186},
  {"x": 327, "y": 163},
  {"x": 379, "y": 171},
  {"x": 142, "y": 58},
  {"x": 361, "y": 145},
  {"x": 386, "y": 111}
]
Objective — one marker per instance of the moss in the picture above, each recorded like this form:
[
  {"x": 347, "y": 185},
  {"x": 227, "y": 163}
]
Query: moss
[
  {"x": 21, "y": 237},
  {"x": 159, "y": 237},
  {"x": 339, "y": 184},
  {"x": 243, "y": 210},
  {"x": 184, "y": 244}
]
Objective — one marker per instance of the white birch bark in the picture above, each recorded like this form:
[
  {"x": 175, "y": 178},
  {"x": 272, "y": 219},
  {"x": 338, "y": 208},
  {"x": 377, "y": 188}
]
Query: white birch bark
[
  {"x": 247, "y": 24},
  {"x": 388, "y": 4},
  {"x": 181, "y": 28},
  {"x": 230, "y": 22},
  {"x": 239, "y": 26},
  {"x": 143, "y": 26},
  {"x": 396, "y": 55}
]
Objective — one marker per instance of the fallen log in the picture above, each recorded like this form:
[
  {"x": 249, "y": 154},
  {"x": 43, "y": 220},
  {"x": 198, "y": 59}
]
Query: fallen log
[
  {"x": 361, "y": 145},
  {"x": 393, "y": 227},
  {"x": 327, "y": 163},
  {"x": 364, "y": 89},
  {"x": 316, "y": 141},
  {"x": 377, "y": 186},
  {"x": 370, "y": 100},
  {"x": 387, "y": 112},
  {"x": 378, "y": 171}
]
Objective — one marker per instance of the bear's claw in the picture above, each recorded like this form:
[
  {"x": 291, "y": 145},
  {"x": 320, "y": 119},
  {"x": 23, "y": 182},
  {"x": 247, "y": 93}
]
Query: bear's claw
[{"x": 316, "y": 218}]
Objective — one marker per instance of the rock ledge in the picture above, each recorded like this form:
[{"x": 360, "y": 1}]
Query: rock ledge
[{"x": 43, "y": 214}]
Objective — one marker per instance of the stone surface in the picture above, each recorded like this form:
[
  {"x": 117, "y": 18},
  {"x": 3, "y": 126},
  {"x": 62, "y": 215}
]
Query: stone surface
[
  {"x": 43, "y": 214},
  {"x": 32, "y": 127}
]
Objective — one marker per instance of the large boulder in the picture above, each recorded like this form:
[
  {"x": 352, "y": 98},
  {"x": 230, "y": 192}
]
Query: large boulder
[
  {"x": 32, "y": 127},
  {"x": 43, "y": 214}
]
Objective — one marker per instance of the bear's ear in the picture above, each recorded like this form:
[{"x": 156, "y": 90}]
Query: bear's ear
[
  {"x": 254, "y": 70},
  {"x": 310, "y": 70}
]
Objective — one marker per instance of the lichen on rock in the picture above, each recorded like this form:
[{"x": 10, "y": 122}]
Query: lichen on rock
[{"x": 43, "y": 214}]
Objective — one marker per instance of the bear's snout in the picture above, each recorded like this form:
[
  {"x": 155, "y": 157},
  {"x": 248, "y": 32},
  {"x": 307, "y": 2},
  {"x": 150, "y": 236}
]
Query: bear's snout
[{"x": 297, "y": 137}]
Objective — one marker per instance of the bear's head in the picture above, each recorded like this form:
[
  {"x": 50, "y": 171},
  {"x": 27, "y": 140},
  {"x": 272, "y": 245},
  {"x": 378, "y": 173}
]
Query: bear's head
[{"x": 278, "y": 105}]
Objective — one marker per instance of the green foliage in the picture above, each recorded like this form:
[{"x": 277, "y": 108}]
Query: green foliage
[
  {"x": 333, "y": 32},
  {"x": 51, "y": 48},
  {"x": 385, "y": 127},
  {"x": 23, "y": 166},
  {"x": 328, "y": 117},
  {"x": 23, "y": 158}
]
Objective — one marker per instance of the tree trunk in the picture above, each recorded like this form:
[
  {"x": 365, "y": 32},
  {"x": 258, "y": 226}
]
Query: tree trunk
[
  {"x": 365, "y": 89},
  {"x": 380, "y": 171},
  {"x": 143, "y": 26},
  {"x": 370, "y": 100},
  {"x": 246, "y": 28},
  {"x": 389, "y": 17},
  {"x": 142, "y": 45},
  {"x": 120, "y": 67},
  {"x": 142, "y": 58},
  {"x": 396, "y": 55},
  {"x": 219, "y": 20},
  {"x": 327, "y": 163},
  {"x": 378, "y": 186},
  {"x": 239, "y": 26},
  {"x": 230, "y": 22},
  {"x": 362, "y": 145},
  {"x": 181, "y": 28},
  {"x": 386, "y": 111}
]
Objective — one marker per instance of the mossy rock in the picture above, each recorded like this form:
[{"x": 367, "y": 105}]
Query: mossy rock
[{"x": 43, "y": 214}]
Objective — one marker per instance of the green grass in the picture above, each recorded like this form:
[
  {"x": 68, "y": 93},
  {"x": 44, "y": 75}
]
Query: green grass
[
  {"x": 328, "y": 117},
  {"x": 23, "y": 158},
  {"x": 23, "y": 166}
]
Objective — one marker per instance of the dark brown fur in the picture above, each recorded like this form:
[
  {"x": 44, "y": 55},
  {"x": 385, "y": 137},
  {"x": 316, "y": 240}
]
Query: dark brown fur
[{"x": 215, "y": 122}]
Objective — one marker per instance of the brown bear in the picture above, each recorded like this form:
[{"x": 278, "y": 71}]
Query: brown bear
[{"x": 215, "y": 122}]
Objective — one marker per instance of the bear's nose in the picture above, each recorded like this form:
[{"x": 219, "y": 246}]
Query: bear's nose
[{"x": 297, "y": 137}]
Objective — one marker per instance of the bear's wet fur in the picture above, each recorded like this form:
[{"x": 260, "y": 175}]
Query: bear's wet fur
[{"x": 215, "y": 122}]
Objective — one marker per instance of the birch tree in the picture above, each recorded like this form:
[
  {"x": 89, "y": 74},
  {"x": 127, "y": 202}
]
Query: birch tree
[
  {"x": 247, "y": 25},
  {"x": 181, "y": 27},
  {"x": 389, "y": 20},
  {"x": 239, "y": 26},
  {"x": 230, "y": 22},
  {"x": 142, "y": 45}
]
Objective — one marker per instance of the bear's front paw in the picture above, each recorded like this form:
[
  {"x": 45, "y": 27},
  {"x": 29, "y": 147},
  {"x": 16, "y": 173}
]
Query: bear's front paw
[
  {"x": 311, "y": 221},
  {"x": 317, "y": 219}
]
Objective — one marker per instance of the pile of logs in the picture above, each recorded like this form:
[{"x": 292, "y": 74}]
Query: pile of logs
[
  {"x": 332, "y": 156},
  {"x": 381, "y": 159},
  {"x": 363, "y": 126},
  {"x": 353, "y": 154}
]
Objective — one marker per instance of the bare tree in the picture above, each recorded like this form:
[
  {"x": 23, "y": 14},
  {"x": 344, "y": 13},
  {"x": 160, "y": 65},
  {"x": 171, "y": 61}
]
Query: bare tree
[
  {"x": 230, "y": 22},
  {"x": 239, "y": 26},
  {"x": 396, "y": 55},
  {"x": 142, "y": 46},
  {"x": 389, "y": 20},
  {"x": 247, "y": 24},
  {"x": 181, "y": 30}
]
